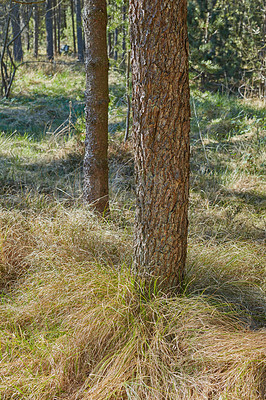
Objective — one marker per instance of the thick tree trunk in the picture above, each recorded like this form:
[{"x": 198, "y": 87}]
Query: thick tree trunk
[
  {"x": 79, "y": 31},
  {"x": 161, "y": 123},
  {"x": 49, "y": 30},
  {"x": 36, "y": 30},
  {"x": 96, "y": 143},
  {"x": 15, "y": 21}
]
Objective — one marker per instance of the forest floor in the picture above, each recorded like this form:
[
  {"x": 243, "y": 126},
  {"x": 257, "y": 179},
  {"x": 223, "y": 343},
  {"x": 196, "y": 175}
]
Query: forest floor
[{"x": 73, "y": 325}]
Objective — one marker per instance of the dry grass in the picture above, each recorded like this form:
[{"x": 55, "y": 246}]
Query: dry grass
[{"x": 74, "y": 324}]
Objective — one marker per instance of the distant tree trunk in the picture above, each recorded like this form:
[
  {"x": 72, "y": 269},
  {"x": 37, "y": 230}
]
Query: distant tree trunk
[
  {"x": 15, "y": 21},
  {"x": 110, "y": 45},
  {"x": 116, "y": 44},
  {"x": 59, "y": 26},
  {"x": 55, "y": 26},
  {"x": 96, "y": 143},
  {"x": 161, "y": 123},
  {"x": 73, "y": 26},
  {"x": 49, "y": 30},
  {"x": 25, "y": 24},
  {"x": 64, "y": 23},
  {"x": 124, "y": 42},
  {"x": 79, "y": 31},
  {"x": 36, "y": 31}
]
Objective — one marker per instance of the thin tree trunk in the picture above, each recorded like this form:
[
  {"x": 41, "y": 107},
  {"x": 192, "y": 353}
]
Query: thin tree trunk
[
  {"x": 64, "y": 23},
  {"x": 25, "y": 22},
  {"x": 124, "y": 42},
  {"x": 55, "y": 26},
  {"x": 36, "y": 31},
  {"x": 110, "y": 45},
  {"x": 15, "y": 21},
  {"x": 97, "y": 98},
  {"x": 79, "y": 31},
  {"x": 73, "y": 26},
  {"x": 128, "y": 98},
  {"x": 49, "y": 30},
  {"x": 4, "y": 75},
  {"x": 161, "y": 123},
  {"x": 116, "y": 44},
  {"x": 59, "y": 26}
]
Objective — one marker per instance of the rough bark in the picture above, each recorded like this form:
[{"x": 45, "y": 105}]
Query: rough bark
[
  {"x": 79, "y": 31},
  {"x": 49, "y": 30},
  {"x": 161, "y": 124},
  {"x": 15, "y": 21},
  {"x": 96, "y": 109}
]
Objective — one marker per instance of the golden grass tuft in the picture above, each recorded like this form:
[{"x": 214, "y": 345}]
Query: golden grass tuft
[{"x": 76, "y": 327}]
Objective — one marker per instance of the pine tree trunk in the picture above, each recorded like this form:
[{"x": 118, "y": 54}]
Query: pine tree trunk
[
  {"x": 15, "y": 21},
  {"x": 25, "y": 25},
  {"x": 97, "y": 98},
  {"x": 59, "y": 27},
  {"x": 110, "y": 45},
  {"x": 124, "y": 43},
  {"x": 73, "y": 26},
  {"x": 49, "y": 30},
  {"x": 161, "y": 124},
  {"x": 116, "y": 44},
  {"x": 36, "y": 31},
  {"x": 79, "y": 31},
  {"x": 55, "y": 26}
]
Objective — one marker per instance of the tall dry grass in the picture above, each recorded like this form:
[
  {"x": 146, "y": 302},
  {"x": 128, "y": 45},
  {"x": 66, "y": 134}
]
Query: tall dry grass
[
  {"x": 73, "y": 323},
  {"x": 75, "y": 326}
]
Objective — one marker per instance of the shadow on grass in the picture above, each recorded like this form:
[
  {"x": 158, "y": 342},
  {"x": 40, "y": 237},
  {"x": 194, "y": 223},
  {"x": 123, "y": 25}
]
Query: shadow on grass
[
  {"x": 35, "y": 115},
  {"x": 59, "y": 179}
]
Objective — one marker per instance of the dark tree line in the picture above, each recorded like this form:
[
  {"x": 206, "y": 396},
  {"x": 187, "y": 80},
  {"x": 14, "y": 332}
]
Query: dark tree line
[{"x": 226, "y": 37}]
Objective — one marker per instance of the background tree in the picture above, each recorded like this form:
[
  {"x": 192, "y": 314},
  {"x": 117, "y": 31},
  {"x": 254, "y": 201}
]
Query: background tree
[
  {"x": 161, "y": 123},
  {"x": 96, "y": 108},
  {"x": 226, "y": 39},
  {"x": 36, "y": 30},
  {"x": 49, "y": 30},
  {"x": 79, "y": 31},
  {"x": 73, "y": 26},
  {"x": 15, "y": 21}
]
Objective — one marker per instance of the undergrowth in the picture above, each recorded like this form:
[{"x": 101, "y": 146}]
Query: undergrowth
[{"x": 73, "y": 323}]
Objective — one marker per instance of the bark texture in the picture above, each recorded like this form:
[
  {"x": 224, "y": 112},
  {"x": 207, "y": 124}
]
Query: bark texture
[
  {"x": 96, "y": 108},
  {"x": 161, "y": 124}
]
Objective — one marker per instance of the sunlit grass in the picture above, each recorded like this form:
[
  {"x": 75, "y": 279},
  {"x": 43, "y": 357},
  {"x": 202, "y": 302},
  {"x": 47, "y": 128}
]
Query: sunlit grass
[{"x": 73, "y": 323}]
